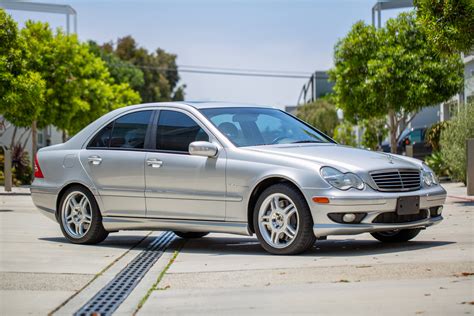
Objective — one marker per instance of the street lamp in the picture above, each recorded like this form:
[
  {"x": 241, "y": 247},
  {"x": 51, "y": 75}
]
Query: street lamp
[
  {"x": 44, "y": 7},
  {"x": 388, "y": 5}
]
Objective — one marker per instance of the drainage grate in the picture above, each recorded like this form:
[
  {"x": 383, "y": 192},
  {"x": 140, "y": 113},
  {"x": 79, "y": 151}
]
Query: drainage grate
[{"x": 109, "y": 298}]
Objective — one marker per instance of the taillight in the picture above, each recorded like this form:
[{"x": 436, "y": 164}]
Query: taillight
[{"x": 38, "y": 172}]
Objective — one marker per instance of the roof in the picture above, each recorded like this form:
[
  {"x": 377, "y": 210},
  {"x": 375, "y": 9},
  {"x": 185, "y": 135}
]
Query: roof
[
  {"x": 217, "y": 104},
  {"x": 183, "y": 104}
]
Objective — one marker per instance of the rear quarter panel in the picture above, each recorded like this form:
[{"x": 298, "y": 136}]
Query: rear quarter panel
[{"x": 60, "y": 167}]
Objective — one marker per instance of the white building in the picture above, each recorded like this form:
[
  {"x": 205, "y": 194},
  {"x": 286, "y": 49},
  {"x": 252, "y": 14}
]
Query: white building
[{"x": 46, "y": 137}]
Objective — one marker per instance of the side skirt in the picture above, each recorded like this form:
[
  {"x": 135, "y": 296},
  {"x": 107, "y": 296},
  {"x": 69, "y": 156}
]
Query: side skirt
[{"x": 117, "y": 223}]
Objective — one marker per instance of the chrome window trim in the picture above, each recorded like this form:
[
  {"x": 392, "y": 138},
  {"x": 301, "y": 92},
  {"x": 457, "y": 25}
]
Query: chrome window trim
[{"x": 152, "y": 129}]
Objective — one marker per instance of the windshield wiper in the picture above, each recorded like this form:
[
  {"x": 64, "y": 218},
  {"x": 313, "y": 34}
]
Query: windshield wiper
[{"x": 306, "y": 141}]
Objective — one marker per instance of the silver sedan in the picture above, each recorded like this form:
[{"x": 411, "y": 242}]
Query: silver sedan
[{"x": 196, "y": 168}]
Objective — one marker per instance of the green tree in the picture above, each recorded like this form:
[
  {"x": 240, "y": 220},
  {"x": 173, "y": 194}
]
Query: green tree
[
  {"x": 392, "y": 70},
  {"x": 22, "y": 90},
  {"x": 79, "y": 88},
  {"x": 159, "y": 69},
  {"x": 449, "y": 24},
  {"x": 320, "y": 114},
  {"x": 120, "y": 70},
  {"x": 453, "y": 141}
]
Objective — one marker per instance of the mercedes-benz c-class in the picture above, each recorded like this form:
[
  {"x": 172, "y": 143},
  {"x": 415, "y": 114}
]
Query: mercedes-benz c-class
[{"x": 200, "y": 167}]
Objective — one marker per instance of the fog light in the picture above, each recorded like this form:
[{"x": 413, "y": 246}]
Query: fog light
[
  {"x": 439, "y": 210},
  {"x": 349, "y": 218}
]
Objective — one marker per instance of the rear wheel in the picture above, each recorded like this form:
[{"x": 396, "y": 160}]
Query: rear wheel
[
  {"x": 191, "y": 235},
  {"x": 396, "y": 235},
  {"x": 80, "y": 218},
  {"x": 283, "y": 221}
]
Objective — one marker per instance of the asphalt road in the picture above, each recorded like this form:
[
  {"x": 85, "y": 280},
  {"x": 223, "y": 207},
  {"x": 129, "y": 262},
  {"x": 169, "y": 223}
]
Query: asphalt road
[{"x": 40, "y": 272}]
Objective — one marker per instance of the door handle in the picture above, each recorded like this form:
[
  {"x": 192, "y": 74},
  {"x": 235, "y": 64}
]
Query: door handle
[
  {"x": 95, "y": 160},
  {"x": 154, "y": 163}
]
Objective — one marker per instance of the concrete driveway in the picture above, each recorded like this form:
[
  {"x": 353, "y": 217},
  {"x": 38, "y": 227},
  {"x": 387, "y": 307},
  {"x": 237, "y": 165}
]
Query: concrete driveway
[{"x": 224, "y": 274}]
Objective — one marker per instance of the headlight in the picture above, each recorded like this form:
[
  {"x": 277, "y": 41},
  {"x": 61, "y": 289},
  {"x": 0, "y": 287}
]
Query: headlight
[
  {"x": 342, "y": 181},
  {"x": 429, "y": 177}
]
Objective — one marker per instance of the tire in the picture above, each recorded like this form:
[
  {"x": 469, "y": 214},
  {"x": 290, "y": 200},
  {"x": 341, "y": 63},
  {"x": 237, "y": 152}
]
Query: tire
[
  {"x": 396, "y": 236},
  {"x": 191, "y": 235},
  {"x": 276, "y": 221},
  {"x": 85, "y": 213}
]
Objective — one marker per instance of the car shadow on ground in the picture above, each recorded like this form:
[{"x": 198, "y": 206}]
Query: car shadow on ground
[
  {"x": 237, "y": 245},
  {"x": 322, "y": 248},
  {"x": 121, "y": 242}
]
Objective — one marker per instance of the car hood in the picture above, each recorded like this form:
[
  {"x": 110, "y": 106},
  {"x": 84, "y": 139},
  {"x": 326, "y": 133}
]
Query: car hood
[{"x": 344, "y": 158}]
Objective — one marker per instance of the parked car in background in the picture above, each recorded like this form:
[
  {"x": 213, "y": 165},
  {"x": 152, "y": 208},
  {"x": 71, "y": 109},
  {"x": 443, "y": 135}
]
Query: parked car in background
[
  {"x": 195, "y": 168},
  {"x": 415, "y": 137}
]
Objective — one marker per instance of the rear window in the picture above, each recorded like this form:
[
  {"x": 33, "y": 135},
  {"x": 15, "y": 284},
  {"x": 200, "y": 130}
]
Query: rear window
[{"x": 128, "y": 131}]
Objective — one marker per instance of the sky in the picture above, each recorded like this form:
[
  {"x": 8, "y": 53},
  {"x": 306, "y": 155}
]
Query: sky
[{"x": 279, "y": 35}]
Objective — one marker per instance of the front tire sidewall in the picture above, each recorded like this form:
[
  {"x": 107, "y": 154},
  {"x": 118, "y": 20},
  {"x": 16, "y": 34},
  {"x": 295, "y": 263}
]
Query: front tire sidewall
[
  {"x": 96, "y": 232},
  {"x": 304, "y": 238}
]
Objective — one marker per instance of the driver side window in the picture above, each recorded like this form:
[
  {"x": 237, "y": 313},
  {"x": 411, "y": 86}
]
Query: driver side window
[{"x": 176, "y": 130}]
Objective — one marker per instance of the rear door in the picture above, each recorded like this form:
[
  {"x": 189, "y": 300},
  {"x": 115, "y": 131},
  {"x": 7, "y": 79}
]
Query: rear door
[{"x": 115, "y": 161}]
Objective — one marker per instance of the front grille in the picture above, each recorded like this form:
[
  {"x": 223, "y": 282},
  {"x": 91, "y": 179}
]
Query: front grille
[
  {"x": 393, "y": 217},
  {"x": 397, "y": 180}
]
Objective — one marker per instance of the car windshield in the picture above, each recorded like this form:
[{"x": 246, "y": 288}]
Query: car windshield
[{"x": 262, "y": 126}]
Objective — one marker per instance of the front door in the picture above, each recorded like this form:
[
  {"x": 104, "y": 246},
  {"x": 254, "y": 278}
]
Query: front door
[
  {"x": 115, "y": 161},
  {"x": 179, "y": 185}
]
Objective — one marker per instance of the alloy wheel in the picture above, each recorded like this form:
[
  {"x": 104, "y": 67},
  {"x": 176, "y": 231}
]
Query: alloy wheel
[
  {"x": 76, "y": 214},
  {"x": 278, "y": 220}
]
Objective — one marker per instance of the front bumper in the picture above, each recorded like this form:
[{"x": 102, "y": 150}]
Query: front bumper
[{"x": 371, "y": 202}]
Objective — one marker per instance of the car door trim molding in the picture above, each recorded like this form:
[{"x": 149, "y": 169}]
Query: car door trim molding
[
  {"x": 116, "y": 223},
  {"x": 180, "y": 195}
]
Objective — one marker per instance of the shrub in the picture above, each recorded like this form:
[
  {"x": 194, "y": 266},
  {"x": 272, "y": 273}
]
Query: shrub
[
  {"x": 436, "y": 162},
  {"x": 375, "y": 130},
  {"x": 320, "y": 114},
  {"x": 434, "y": 133},
  {"x": 344, "y": 134},
  {"x": 453, "y": 141},
  {"x": 22, "y": 172}
]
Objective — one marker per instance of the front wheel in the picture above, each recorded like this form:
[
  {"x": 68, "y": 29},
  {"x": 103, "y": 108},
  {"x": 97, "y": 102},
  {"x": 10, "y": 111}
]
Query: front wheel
[
  {"x": 396, "y": 235},
  {"x": 80, "y": 218},
  {"x": 283, "y": 221}
]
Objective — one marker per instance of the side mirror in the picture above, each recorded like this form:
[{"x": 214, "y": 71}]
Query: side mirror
[{"x": 205, "y": 149}]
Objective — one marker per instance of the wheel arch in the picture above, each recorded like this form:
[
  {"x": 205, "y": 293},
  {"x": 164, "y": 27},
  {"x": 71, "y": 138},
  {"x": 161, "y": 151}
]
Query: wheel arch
[
  {"x": 65, "y": 188},
  {"x": 258, "y": 189}
]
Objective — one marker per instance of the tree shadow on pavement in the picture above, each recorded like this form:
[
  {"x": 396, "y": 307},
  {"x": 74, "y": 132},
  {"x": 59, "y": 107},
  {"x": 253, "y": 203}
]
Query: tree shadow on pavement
[{"x": 326, "y": 248}]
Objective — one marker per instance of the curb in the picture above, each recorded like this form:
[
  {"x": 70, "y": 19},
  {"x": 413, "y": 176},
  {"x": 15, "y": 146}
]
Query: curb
[
  {"x": 14, "y": 193},
  {"x": 461, "y": 198}
]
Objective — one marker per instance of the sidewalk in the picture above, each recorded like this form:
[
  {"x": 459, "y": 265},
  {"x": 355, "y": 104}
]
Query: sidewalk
[
  {"x": 23, "y": 190},
  {"x": 457, "y": 191}
]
